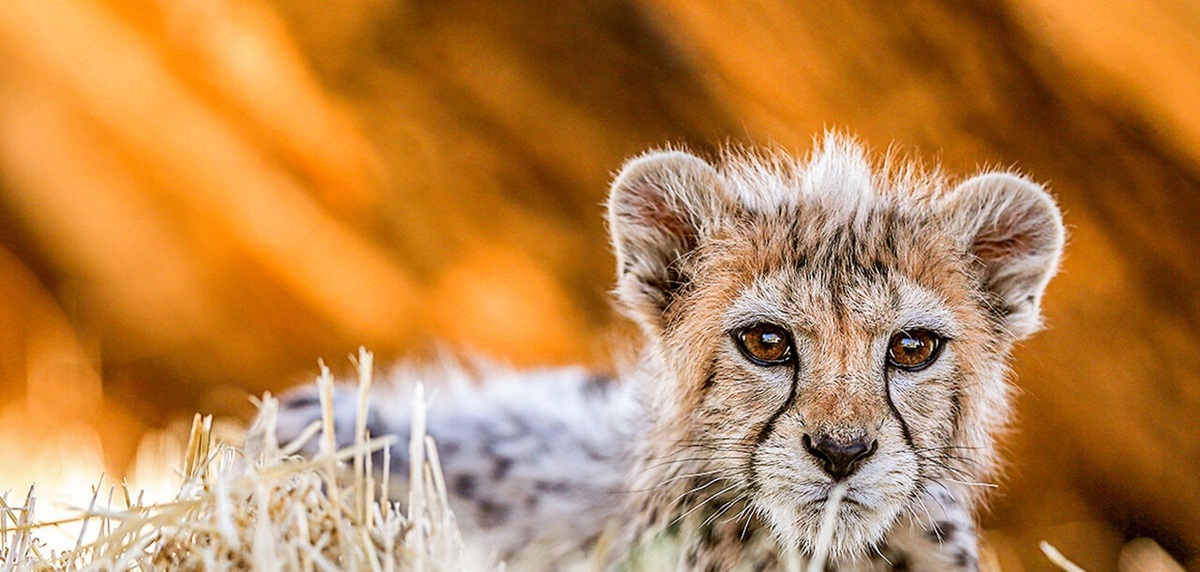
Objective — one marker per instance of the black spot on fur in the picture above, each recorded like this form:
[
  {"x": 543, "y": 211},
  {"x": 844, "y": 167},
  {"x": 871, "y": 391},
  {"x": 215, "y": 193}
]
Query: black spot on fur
[
  {"x": 955, "y": 410},
  {"x": 709, "y": 381},
  {"x": 301, "y": 401},
  {"x": 501, "y": 468},
  {"x": 592, "y": 453},
  {"x": 598, "y": 385},
  {"x": 550, "y": 486},
  {"x": 492, "y": 513},
  {"x": 463, "y": 485},
  {"x": 877, "y": 270},
  {"x": 672, "y": 285},
  {"x": 942, "y": 531},
  {"x": 889, "y": 237},
  {"x": 710, "y": 377},
  {"x": 899, "y": 561},
  {"x": 800, "y": 262},
  {"x": 448, "y": 448},
  {"x": 518, "y": 425},
  {"x": 965, "y": 560}
]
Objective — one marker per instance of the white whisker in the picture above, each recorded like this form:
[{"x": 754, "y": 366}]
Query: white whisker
[
  {"x": 697, "y": 489},
  {"x": 687, "y": 476},
  {"x": 724, "y": 508},
  {"x": 704, "y": 502},
  {"x": 971, "y": 484}
]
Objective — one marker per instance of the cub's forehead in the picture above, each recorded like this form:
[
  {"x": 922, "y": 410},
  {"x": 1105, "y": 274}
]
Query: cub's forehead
[
  {"x": 831, "y": 239},
  {"x": 817, "y": 304},
  {"x": 882, "y": 269}
]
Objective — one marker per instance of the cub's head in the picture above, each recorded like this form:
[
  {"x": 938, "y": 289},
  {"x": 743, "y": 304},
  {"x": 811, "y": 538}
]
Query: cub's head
[{"x": 816, "y": 322}]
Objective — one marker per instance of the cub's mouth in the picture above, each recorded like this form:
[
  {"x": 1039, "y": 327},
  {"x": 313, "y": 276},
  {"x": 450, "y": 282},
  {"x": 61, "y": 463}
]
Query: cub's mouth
[
  {"x": 834, "y": 518},
  {"x": 843, "y": 519}
]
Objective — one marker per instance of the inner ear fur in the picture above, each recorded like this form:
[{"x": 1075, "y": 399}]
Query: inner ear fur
[
  {"x": 1014, "y": 230},
  {"x": 660, "y": 207}
]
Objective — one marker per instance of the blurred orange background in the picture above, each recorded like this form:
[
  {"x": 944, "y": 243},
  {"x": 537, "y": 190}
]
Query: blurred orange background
[{"x": 199, "y": 198}]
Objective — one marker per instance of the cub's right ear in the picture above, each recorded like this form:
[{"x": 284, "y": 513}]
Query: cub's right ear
[
  {"x": 661, "y": 205},
  {"x": 1014, "y": 231}
]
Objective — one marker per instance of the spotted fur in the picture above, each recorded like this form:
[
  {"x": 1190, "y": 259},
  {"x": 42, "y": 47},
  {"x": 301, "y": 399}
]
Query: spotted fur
[{"x": 711, "y": 451}]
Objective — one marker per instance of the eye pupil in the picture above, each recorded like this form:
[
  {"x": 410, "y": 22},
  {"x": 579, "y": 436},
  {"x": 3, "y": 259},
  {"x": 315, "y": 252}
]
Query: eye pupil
[{"x": 764, "y": 344}]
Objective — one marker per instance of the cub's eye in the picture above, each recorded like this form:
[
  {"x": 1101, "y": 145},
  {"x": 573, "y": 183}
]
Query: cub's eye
[
  {"x": 913, "y": 350},
  {"x": 765, "y": 344}
]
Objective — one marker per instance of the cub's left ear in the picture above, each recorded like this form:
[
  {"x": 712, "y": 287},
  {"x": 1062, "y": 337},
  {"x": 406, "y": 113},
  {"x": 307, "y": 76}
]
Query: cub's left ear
[
  {"x": 661, "y": 207},
  {"x": 1014, "y": 229}
]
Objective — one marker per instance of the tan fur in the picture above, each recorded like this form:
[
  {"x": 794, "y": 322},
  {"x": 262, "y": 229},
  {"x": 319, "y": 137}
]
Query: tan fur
[
  {"x": 843, "y": 257},
  {"x": 719, "y": 455}
]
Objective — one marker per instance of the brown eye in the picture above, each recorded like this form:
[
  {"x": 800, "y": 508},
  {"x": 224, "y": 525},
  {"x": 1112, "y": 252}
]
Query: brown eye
[
  {"x": 913, "y": 350},
  {"x": 765, "y": 344}
]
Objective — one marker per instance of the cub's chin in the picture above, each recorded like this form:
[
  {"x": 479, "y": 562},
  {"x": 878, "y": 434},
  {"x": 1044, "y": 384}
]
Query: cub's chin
[{"x": 862, "y": 520}]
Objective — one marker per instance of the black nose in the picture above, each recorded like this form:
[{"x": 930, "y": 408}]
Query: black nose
[{"x": 839, "y": 458}]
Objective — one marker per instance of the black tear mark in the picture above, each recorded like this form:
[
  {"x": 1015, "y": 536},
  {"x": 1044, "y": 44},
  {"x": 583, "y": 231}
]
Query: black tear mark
[
  {"x": 769, "y": 426},
  {"x": 887, "y": 389}
]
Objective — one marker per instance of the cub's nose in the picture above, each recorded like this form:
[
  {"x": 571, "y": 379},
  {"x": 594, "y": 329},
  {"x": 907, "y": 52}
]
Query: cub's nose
[{"x": 840, "y": 458}]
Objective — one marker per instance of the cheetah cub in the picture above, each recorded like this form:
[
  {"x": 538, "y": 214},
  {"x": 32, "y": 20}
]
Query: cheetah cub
[{"x": 809, "y": 325}]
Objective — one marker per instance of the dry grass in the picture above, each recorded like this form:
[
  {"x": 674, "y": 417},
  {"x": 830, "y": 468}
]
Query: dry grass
[
  {"x": 262, "y": 510},
  {"x": 825, "y": 535}
]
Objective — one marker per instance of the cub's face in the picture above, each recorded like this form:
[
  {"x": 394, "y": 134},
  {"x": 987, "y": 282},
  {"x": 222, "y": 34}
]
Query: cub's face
[
  {"x": 826, "y": 362},
  {"x": 815, "y": 324}
]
